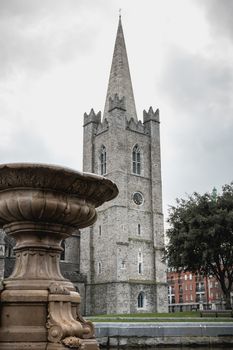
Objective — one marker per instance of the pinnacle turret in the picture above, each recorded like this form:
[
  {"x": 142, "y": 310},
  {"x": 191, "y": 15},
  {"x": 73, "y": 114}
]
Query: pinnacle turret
[
  {"x": 92, "y": 117},
  {"x": 151, "y": 115},
  {"x": 120, "y": 80}
]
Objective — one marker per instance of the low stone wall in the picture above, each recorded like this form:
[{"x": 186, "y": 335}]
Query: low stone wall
[{"x": 164, "y": 334}]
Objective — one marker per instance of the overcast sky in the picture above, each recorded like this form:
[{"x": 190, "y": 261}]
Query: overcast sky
[{"x": 55, "y": 58}]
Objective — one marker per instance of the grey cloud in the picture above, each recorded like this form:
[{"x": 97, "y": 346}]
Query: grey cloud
[
  {"x": 200, "y": 93},
  {"x": 25, "y": 146},
  {"x": 219, "y": 14},
  {"x": 192, "y": 81},
  {"x": 34, "y": 34},
  {"x": 28, "y": 9}
]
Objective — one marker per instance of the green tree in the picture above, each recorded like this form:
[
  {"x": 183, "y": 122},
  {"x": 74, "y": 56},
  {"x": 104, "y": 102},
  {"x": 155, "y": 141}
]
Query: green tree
[{"x": 201, "y": 236}]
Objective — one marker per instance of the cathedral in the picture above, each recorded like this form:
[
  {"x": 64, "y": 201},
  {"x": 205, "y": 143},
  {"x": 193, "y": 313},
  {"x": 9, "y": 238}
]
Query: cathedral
[
  {"x": 121, "y": 254},
  {"x": 116, "y": 264}
]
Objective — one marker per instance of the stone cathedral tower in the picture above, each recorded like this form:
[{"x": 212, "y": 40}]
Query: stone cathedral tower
[{"x": 121, "y": 254}]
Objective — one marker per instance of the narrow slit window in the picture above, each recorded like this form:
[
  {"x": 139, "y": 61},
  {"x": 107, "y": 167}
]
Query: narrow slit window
[
  {"x": 139, "y": 229},
  {"x": 140, "y": 268},
  {"x": 99, "y": 267},
  {"x": 140, "y": 261},
  {"x": 103, "y": 161},
  {"x": 123, "y": 264}
]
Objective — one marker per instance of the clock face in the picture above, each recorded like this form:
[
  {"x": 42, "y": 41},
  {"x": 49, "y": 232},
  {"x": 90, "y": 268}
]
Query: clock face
[{"x": 138, "y": 198}]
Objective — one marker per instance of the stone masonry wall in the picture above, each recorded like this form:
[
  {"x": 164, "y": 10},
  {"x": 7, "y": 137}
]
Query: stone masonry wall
[{"x": 111, "y": 251}]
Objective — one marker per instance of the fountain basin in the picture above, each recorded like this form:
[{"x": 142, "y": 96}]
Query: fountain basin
[
  {"x": 41, "y": 205},
  {"x": 39, "y": 192}
]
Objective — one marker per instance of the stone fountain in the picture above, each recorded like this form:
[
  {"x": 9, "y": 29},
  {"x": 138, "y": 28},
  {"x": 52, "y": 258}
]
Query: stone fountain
[{"x": 41, "y": 205}]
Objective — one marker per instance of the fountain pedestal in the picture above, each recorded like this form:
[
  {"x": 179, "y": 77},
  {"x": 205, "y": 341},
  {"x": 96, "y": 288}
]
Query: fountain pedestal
[{"x": 40, "y": 206}]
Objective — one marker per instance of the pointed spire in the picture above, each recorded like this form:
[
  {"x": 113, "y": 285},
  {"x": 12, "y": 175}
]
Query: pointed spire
[{"x": 120, "y": 81}]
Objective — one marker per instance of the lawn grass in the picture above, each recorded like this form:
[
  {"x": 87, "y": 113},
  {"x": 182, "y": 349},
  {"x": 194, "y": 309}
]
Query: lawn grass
[
  {"x": 153, "y": 315},
  {"x": 188, "y": 316}
]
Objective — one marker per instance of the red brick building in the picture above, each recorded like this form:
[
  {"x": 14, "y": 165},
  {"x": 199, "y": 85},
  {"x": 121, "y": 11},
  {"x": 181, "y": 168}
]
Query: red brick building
[{"x": 188, "y": 291}]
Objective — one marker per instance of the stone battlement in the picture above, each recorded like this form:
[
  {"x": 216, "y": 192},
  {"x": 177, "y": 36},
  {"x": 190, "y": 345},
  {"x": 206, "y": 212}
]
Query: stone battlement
[
  {"x": 102, "y": 127},
  {"x": 117, "y": 102},
  {"x": 92, "y": 117},
  {"x": 136, "y": 126},
  {"x": 151, "y": 115}
]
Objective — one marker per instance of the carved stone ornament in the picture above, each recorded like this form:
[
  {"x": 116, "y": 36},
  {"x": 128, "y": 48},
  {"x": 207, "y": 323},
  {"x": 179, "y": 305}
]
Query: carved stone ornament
[
  {"x": 56, "y": 288},
  {"x": 72, "y": 342},
  {"x": 41, "y": 205},
  {"x": 61, "y": 322}
]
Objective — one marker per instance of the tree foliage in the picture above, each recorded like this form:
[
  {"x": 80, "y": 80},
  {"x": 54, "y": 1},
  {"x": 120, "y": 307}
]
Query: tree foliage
[{"x": 201, "y": 236}]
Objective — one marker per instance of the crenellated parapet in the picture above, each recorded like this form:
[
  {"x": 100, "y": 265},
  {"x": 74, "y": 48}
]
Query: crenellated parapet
[
  {"x": 135, "y": 126},
  {"x": 92, "y": 117},
  {"x": 102, "y": 127},
  {"x": 143, "y": 127},
  {"x": 151, "y": 115},
  {"x": 117, "y": 102}
]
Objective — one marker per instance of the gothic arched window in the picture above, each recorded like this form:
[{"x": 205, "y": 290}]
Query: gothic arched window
[
  {"x": 141, "y": 300},
  {"x": 103, "y": 157},
  {"x": 136, "y": 157}
]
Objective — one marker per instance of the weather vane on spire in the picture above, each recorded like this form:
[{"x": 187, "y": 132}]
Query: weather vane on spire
[{"x": 120, "y": 13}]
